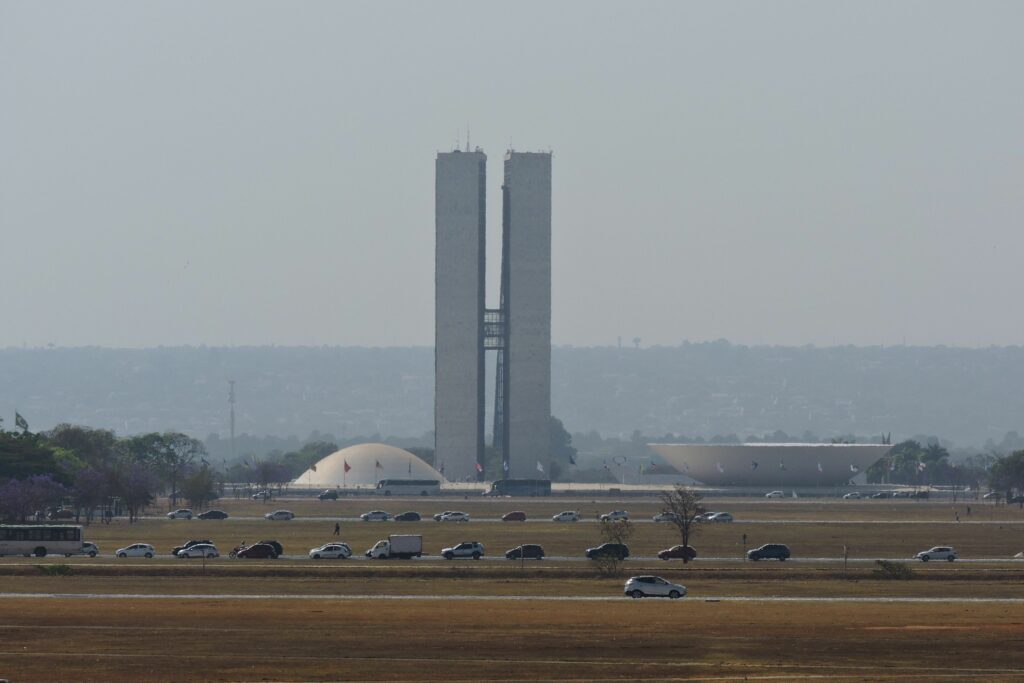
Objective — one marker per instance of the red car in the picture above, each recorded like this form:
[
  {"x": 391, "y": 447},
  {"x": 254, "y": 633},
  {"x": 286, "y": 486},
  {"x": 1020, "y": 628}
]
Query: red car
[
  {"x": 515, "y": 516},
  {"x": 258, "y": 551},
  {"x": 678, "y": 552}
]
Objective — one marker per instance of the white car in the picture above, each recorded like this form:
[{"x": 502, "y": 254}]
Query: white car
[
  {"x": 666, "y": 517},
  {"x": 775, "y": 494},
  {"x": 939, "y": 552},
  {"x": 280, "y": 515},
  {"x": 653, "y": 587},
  {"x": 614, "y": 515},
  {"x": 455, "y": 517},
  {"x": 88, "y": 548},
  {"x": 136, "y": 550},
  {"x": 181, "y": 513},
  {"x": 331, "y": 551},
  {"x": 466, "y": 549},
  {"x": 375, "y": 516},
  {"x": 718, "y": 517},
  {"x": 200, "y": 550},
  {"x": 853, "y": 495},
  {"x": 566, "y": 516}
]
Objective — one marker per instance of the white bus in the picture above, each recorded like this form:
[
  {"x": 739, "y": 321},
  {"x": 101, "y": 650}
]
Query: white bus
[
  {"x": 409, "y": 487},
  {"x": 40, "y": 539}
]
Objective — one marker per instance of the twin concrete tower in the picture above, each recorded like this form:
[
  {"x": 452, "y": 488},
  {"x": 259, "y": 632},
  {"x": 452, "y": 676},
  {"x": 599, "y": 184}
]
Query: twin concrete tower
[{"x": 519, "y": 330}]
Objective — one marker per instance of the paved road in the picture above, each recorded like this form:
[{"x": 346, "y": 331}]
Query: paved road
[{"x": 543, "y": 520}]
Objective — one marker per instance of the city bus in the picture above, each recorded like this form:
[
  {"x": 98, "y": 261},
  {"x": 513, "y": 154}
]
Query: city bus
[
  {"x": 409, "y": 487},
  {"x": 40, "y": 539},
  {"x": 520, "y": 487}
]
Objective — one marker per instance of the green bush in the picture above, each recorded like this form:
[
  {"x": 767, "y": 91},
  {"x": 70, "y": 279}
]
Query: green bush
[
  {"x": 898, "y": 571},
  {"x": 54, "y": 569}
]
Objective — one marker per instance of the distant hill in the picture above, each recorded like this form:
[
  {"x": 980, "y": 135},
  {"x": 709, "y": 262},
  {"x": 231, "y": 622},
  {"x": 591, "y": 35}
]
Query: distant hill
[{"x": 964, "y": 395}]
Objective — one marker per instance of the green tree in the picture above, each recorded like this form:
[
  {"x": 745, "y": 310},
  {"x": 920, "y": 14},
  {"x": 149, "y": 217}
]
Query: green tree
[
  {"x": 1007, "y": 473},
  {"x": 562, "y": 452},
  {"x": 200, "y": 486}
]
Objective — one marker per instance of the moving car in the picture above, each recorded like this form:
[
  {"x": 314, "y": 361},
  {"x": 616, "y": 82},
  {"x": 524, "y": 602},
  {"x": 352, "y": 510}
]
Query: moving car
[
  {"x": 63, "y": 513},
  {"x": 329, "y": 494},
  {"x": 718, "y": 517},
  {"x": 280, "y": 515},
  {"x": 665, "y": 517},
  {"x": 261, "y": 495},
  {"x": 852, "y": 495},
  {"x": 200, "y": 550},
  {"x": 653, "y": 586},
  {"x": 189, "y": 544},
  {"x": 258, "y": 551},
  {"x": 769, "y": 551},
  {"x": 439, "y": 515},
  {"x": 678, "y": 552},
  {"x": 465, "y": 549},
  {"x": 617, "y": 550},
  {"x": 278, "y": 548},
  {"x": 614, "y": 515},
  {"x": 939, "y": 552},
  {"x": 882, "y": 494},
  {"x": 408, "y": 517},
  {"x": 902, "y": 494},
  {"x": 88, "y": 548},
  {"x": 331, "y": 551},
  {"x": 213, "y": 514},
  {"x": 775, "y": 494},
  {"x": 136, "y": 550},
  {"x": 375, "y": 516},
  {"x": 514, "y": 516},
  {"x": 528, "y": 551},
  {"x": 566, "y": 516},
  {"x": 455, "y": 517},
  {"x": 180, "y": 513}
]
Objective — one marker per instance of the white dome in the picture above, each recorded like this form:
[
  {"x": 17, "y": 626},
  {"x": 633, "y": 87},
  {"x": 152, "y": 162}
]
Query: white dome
[{"x": 368, "y": 463}]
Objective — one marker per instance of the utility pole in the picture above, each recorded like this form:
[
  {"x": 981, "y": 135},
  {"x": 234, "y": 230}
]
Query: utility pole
[{"x": 231, "y": 403}]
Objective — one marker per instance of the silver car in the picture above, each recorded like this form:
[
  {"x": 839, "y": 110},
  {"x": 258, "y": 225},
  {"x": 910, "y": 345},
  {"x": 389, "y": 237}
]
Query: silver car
[
  {"x": 200, "y": 550},
  {"x": 939, "y": 552},
  {"x": 653, "y": 587},
  {"x": 331, "y": 551}
]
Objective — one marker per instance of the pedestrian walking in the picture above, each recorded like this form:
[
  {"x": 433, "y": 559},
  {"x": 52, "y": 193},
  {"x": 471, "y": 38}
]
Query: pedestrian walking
[
  {"x": 337, "y": 528},
  {"x": 957, "y": 515},
  {"x": 968, "y": 510}
]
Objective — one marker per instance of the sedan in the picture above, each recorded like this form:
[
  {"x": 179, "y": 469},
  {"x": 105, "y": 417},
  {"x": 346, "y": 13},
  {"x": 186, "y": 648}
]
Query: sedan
[
  {"x": 408, "y": 517},
  {"x": 653, "y": 586},
  {"x": 678, "y": 552},
  {"x": 853, "y": 495},
  {"x": 529, "y": 551},
  {"x": 566, "y": 516},
  {"x": 719, "y": 517},
  {"x": 514, "y": 516},
  {"x": 439, "y": 515},
  {"x": 258, "y": 551},
  {"x": 939, "y": 552},
  {"x": 775, "y": 494},
  {"x": 201, "y": 550},
  {"x": 280, "y": 515},
  {"x": 213, "y": 514},
  {"x": 136, "y": 550},
  {"x": 182, "y": 513},
  {"x": 189, "y": 544},
  {"x": 666, "y": 517},
  {"x": 617, "y": 550},
  {"x": 375, "y": 516},
  {"x": 455, "y": 517},
  {"x": 331, "y": 551}
]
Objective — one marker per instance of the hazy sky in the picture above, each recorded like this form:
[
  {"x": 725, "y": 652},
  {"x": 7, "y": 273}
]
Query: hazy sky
[{"x": 768, "y": 172}]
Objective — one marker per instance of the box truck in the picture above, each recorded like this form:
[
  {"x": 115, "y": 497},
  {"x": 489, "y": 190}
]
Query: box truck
[{"x": 400, "y": 546}]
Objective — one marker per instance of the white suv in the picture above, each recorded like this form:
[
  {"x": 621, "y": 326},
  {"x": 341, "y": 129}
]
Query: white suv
[
  {"x": 939, "y": 552},
  {"x": 653, "y": 586},
  {"x": 567, "y": 516},
  {"x": 465, "y": 549},
  {"x": 614, "y": 515},
  {"x": 280, "y": 515},
  {"x": 454, "y": 517}
]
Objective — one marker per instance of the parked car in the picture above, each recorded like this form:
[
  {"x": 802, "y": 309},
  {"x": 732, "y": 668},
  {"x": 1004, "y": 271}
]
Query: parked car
[
  {"x": 775, "y": 494},
  {"x": 939, "y": 552},
  {"x": 1016, "y": 500},
  {"x": 280, "y": 515},
  {"x": 566, "y": 516},
  {"x": 466, "y": 549},
  {"x": 136, "y": 550},
  {"x": 614, "y": 515},
  {"x": 455, "y": 517},
  {"x": 653, "y": 586},
  {"x": 616, "y": 550},
  {"x": 678, "y": 552},
  {"x": 514, "y": 516},
  {"x": 528, "y": 551},
  {"x": 769, "y": 551},
  {"x": 408, "y": 517},
  {"x": 189, "y": 544},
  {"x": 331, "y": 551},
  {"x": 665, "y": 517},
  {"x": 375, "y": 516},
  {"x": 329, "y": 494},
  {"x": 213, "y": 514},
  {"x": 258, "y": 551},
  {"x": 278, "y": 548},
  {"x": 200, "y": 550},
  {"x": 718, "y": 517},
  {"x": 852, "y": 495},
  {"x": 180, "y": 513},
  {"x": 261, "y": 495}
]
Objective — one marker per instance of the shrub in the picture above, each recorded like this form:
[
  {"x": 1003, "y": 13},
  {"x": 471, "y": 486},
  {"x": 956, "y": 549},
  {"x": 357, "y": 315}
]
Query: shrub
[
  {"x": 54, "y": 569},
  {"x": 898, "y": 571}
]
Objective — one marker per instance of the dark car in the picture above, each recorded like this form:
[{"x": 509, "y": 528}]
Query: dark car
[
  {"x": 189, "y": 544},
  {"x": 258, "y": 551},
  {"x": 214, "y": 514},
  {"x": 617, "y": 550},
  {"x": 514, "y": 516},
  {"x": 769, "y": 551},
  {"x": 329, "y": 494},
  {"x": 529, "y": 551},
  {"x": 678, "y": 552},
  {"x": 1016, "y": 500},
  {"x": 62, "y": 514},
  {"x": 408, "y": 517},
  {"x": 882, "y": 494},
  {"x": 278, "y": 548}
]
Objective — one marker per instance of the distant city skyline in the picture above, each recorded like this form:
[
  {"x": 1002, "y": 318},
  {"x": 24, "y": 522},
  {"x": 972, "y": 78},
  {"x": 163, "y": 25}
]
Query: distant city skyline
[{"x": 235, "y": 174}]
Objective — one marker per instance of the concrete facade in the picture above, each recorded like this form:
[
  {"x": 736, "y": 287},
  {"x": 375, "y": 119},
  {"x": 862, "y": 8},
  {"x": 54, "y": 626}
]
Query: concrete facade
[
  {"x": 460, "y": 222},
  {"x": 526, "y": 235}
]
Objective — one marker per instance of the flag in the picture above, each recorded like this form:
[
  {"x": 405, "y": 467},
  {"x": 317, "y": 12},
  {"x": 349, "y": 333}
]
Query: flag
[
  {"x": 720, "y": 468},
  {"x": 753, "y": 465},
  {"x": 504, "y": 465},
  {"x": 441, "y": 469},
  {"x": 782, "y": 466},
  {"x": 20, "y": 422},
  {"x": 479, "y": 468},
  {"x": 378, "y": 466},
  {"x": 410, "y": 467},
  {"x": 313, "y": 467},
  {"x": 606, "y": 466},
  {"x": 572, "y": 460},
  {"x": 921, "y": 466},
  {"x": 540, "y": 468},
  {"x": 820, "y": 468},
  {"x": 854, "y": 468},
  {"x": 347, "y": 467}
]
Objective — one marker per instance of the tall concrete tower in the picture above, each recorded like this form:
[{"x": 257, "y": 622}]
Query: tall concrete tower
[{"x": 460, "y": 222}]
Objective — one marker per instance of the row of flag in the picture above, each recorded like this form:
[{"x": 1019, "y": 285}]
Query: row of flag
[
  {"x": 19, "y": 421},
  {"x": 782, "y": 467}
]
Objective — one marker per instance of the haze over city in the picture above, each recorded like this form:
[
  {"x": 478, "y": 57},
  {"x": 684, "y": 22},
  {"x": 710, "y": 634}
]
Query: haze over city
[{"x": 260, "y": 173}]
